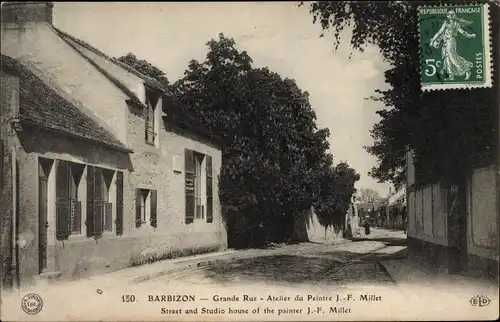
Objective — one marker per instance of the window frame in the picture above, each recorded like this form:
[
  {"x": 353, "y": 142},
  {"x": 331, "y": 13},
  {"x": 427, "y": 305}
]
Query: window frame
[
  {"x": 199, "y": 206},
  {"x": 150, "y": 115},
  {"x": 147, "y": 210},
  {"x": 108, "y": 179},
  {"x": 69, "y": 193}
]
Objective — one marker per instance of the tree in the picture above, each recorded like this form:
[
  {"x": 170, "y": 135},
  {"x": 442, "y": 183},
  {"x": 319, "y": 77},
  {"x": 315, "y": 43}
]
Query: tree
[
  {"x": 368, "y": 195},
  {"x": 275, "y": 161},
  {"x": 145, "y": 68},
  {"x": 436, "y": 125},
  {"x": 336, "y": 189},
  {"x": 273, "y": 153}
]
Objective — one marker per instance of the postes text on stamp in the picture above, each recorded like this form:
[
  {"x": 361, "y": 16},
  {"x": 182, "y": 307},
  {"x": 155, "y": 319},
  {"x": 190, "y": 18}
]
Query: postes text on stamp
[
  {"x": 32, "y": 303},
  {"x": 455, "y": 46}
]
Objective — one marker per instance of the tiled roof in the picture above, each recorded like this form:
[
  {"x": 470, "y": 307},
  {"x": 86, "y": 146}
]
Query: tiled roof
[
  {"x": 41, "y": 105},
  {"x": 179, "y": 115},
  {"x": 150, "y": 81}
]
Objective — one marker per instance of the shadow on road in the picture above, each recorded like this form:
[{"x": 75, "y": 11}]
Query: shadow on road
[
  {"x": 388, "y": 241},
  {"x": 338, "y": 267}
]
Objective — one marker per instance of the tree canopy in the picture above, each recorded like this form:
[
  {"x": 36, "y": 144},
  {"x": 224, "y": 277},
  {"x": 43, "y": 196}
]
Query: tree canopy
[
  {"x": 436, "y": 125},
  {"x": 368, "y": 195},
  {"x": 145, "y": 68}
]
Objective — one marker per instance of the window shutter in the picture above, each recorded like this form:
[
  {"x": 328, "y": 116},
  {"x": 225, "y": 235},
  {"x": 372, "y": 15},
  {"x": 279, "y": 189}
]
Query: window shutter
[
  {"x": 210, "y": 195},
  {"x": 63, "y": 207},
  {"x": 119, "y": 203},
  {"x": 154, "y": 208},
  {"x": 189, "y": 184},
  {"x": 90, "y": 201},
  {"x": 98, "y": 203},
  {"x": 138, "y": 218},
  {"x": 63, "y": 226}
]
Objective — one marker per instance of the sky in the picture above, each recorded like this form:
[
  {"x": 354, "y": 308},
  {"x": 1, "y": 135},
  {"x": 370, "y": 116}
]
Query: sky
[{"x": 279, "y": 35}]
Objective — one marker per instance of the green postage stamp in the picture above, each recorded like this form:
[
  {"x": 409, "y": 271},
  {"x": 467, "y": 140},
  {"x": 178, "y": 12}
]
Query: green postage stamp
[{"x": 455, "y": 44}]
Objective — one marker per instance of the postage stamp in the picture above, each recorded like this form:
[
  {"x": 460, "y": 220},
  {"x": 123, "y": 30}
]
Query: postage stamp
[{"x": 455, "y": 44}]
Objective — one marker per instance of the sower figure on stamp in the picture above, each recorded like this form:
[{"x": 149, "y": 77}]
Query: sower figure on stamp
[{"x": 453, "y": 63}]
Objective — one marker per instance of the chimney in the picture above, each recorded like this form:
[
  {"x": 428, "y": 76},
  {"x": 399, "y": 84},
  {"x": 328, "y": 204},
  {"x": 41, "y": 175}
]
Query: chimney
[{"x": 29, "y": 11}]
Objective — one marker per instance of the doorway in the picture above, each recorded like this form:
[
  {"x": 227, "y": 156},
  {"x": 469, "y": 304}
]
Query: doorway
[{"x": 44, "y": 167}]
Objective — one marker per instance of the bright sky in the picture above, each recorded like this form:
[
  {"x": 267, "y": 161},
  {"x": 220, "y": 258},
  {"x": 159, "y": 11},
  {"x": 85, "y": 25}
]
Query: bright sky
[{"x": 279, "y": 35}]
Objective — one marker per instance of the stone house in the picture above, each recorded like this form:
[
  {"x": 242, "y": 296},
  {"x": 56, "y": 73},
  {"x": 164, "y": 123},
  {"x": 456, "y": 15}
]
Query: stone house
[{"x": 100, "y": 171}]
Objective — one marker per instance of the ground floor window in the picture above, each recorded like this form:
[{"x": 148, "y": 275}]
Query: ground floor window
[
  {"x": 68, "y": 203},
  {"x": 198, "y": 186},
  {"x": 146, "y": 207},
  {"x": 93, "y": 204}
]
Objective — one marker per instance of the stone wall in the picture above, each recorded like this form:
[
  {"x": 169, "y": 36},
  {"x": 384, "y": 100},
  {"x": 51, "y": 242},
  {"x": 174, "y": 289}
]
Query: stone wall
[{"x": 309, "y": 229}]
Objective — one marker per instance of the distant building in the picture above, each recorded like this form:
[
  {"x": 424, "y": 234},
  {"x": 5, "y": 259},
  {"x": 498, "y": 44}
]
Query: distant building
[
  {"x": 396, "y": 209},
  {"x": 99, "y": 170}
]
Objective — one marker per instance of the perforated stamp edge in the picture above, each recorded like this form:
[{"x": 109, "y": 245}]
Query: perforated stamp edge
[{"x": 488, "y": 56}]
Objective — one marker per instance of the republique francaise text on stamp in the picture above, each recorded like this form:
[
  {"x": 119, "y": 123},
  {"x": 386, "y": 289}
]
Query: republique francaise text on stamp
[{"x": 455, "y": 46}]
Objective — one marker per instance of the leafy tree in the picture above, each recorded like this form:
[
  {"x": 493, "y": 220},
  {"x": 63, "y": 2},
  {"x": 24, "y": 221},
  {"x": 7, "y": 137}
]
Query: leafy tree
[
  {"x": 368, "y": 195},
  {"x": 436, "y": 125},
  {"x": 273, "y": 154},
  {"x": 145, "y": 68},
  {"x": 275, "y": 162},
  {"x": 336, "y": 189}
]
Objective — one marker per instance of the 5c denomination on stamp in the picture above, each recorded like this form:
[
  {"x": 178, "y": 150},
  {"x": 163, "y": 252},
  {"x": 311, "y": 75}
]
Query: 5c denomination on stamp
[
  {"x": 455, "y": 47},
  {"x": 32, "y": 303}
]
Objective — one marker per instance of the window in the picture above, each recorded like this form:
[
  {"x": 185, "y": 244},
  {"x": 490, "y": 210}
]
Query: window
[
  {"x": 145, "y": 207},
  {"x": 210, "y": 214},
  {"x": 198, "y": 186},
  {"x": 199, "y": 207},
  {"x": 107, "y": 179},
  {"x": 151, "y": 133},
  {"x": 68, "y": 207},
  {"x": 100, "y": 196}
]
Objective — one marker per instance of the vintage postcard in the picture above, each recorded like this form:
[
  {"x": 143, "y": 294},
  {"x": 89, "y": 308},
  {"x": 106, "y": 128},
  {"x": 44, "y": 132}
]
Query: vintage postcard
[{"x": 250, "y": 161}]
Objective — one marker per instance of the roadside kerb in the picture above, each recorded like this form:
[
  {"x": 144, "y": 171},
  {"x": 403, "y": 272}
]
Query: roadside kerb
[{"x": 218, "y": 258}]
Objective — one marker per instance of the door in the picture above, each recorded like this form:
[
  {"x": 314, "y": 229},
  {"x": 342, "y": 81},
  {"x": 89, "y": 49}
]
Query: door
[{"x": 43, "y": 223}]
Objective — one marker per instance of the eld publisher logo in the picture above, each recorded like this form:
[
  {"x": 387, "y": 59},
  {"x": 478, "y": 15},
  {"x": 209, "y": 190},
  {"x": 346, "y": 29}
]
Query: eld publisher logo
[{"x": 480, "y": 301}]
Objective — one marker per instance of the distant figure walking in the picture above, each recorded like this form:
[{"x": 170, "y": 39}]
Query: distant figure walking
[
  {"x": 367, "y": 228},
  {"x": 405, "y": 220}
]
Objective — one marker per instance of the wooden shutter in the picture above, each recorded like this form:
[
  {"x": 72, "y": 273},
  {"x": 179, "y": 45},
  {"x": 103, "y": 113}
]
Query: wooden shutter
[
  {"x": 154, "y": 208},
  {"x": 210, "y": 194},
  {"x": 189, "y": 168},
  {"x": 63, "y": 206},
  {"x": 119, "y": 203},
  {"x": 63, "y": 223},
  {"x": 138, "y": 217},
  {"x": 90, "y": 201},
  {"x": 98, "y": 203}
]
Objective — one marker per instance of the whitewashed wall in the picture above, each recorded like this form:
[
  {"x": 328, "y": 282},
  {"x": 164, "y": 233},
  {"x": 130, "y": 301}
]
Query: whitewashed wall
[
  {"x": 483, "y": 212},
  {"x": 427, "y": 214}
]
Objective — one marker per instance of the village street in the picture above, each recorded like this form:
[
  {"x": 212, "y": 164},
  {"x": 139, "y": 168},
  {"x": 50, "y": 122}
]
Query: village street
[{"x": 348, "y": 275}]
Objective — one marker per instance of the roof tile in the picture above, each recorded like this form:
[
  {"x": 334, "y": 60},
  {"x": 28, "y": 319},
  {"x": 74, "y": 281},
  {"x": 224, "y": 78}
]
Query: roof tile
[{"x": 42, "y": 105}]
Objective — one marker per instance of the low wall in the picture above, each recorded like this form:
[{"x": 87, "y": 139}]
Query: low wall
[
  {"x": 308, "y": 228},
  {"x": 85, "y": 257}
]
